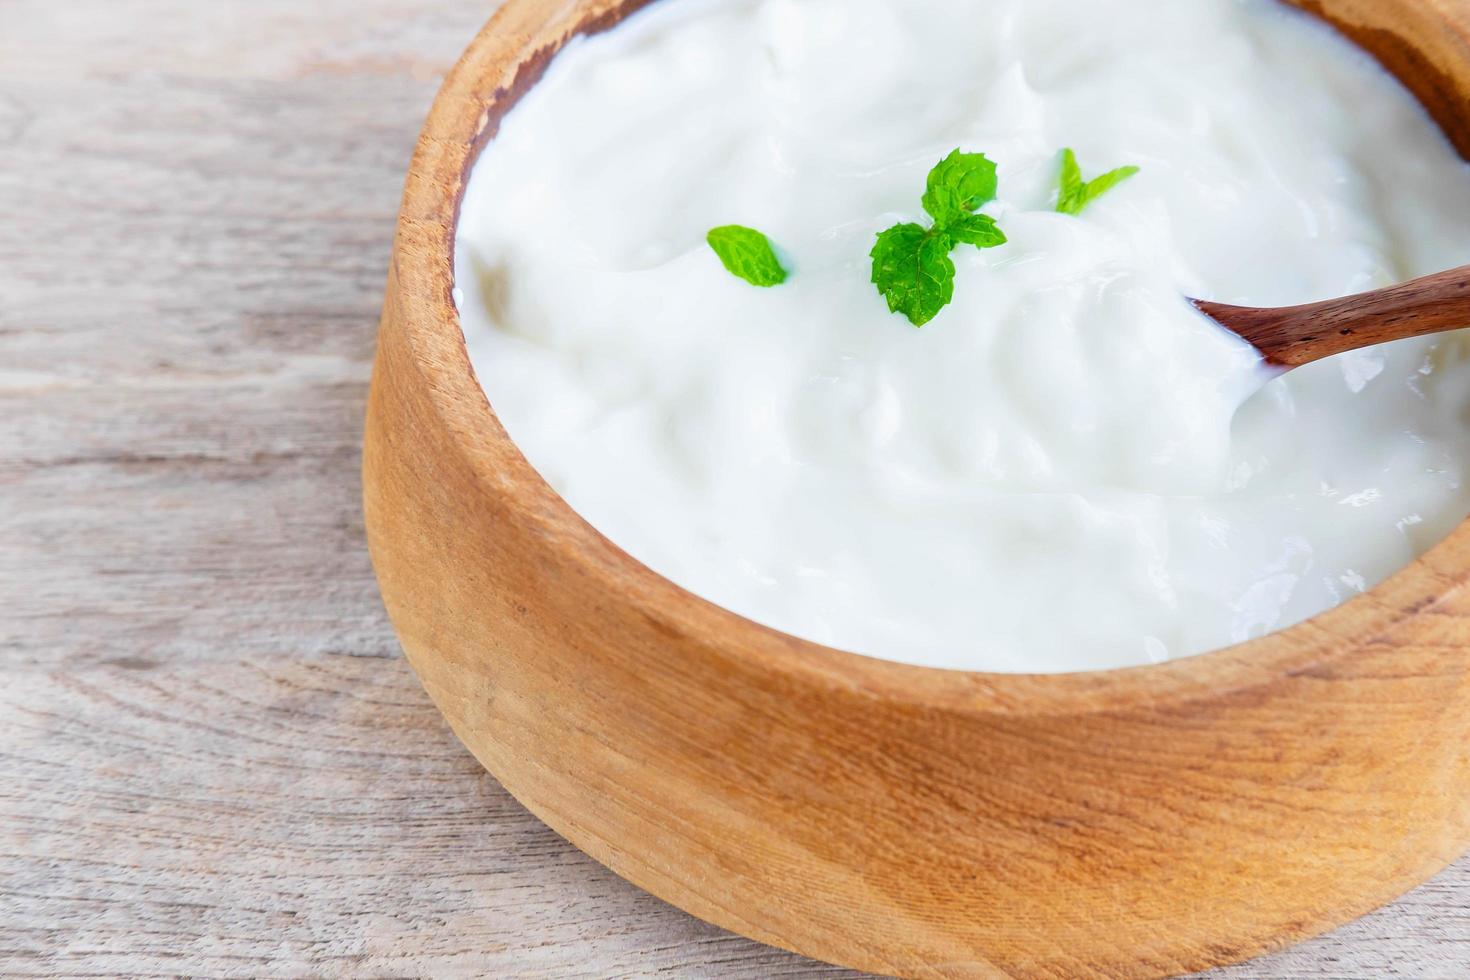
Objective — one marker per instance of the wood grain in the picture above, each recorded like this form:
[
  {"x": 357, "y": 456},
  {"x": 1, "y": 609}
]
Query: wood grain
[
  {"x": 211, "y": 760},
  {"x": 255, "y": 819},
  {"x": 1291, "y": 336}
]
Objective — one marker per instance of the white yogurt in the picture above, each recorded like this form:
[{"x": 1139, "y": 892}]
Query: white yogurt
[{"x": 1052, "y": 475}]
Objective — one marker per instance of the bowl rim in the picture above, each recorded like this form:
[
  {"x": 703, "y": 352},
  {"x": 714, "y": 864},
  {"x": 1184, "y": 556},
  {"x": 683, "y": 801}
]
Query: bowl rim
[{"x": 505, "y": 59}]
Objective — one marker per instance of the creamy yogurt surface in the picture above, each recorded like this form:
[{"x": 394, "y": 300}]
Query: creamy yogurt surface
[{"x": 1068, "y": 468}]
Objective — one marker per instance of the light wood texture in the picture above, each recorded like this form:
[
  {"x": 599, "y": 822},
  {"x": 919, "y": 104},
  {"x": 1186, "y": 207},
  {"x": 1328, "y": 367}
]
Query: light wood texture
[
  {"x": 889, "y": 818},
  {"x": 212, "y": 761},
  {"x": 1290, "y": 336}
]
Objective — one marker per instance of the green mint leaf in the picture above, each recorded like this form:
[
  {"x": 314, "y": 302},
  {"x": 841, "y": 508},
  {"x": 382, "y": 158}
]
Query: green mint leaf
[
  {"x": 1073, "y": 194},
  {"x": 961, "y": 183},
  {"x": 747, "y": 253},
  {"x": 979, "y": 230},
  {"x": 1101, "y": 185},
  {"x": 911, "y": 268},
  {"x": 1072, "y": 185},
  {"x": 911, "y": 264}
]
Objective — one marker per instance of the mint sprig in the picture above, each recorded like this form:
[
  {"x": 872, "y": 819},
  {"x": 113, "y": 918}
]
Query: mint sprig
[
  {"x": 959, "y": 184},
  {"x": 747, "y": 253},
  {"x": 911, "y": 263},
  {"x": 913, "y": 271},
  {"x": 1074, "y": 193}
]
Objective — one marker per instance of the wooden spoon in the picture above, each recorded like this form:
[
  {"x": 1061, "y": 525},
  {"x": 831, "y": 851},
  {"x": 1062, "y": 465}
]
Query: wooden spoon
[{"x": 1291, "y": 336}]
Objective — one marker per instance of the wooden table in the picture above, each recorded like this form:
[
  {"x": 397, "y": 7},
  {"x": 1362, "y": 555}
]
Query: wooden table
[{"x": 212, "y": 758}]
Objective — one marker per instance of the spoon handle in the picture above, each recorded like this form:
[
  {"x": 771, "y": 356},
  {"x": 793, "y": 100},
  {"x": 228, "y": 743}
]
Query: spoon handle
[{"x": 1291, "y": 336}]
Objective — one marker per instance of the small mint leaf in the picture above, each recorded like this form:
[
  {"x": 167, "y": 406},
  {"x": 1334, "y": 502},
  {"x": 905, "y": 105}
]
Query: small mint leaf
[
  {"x": 1073, "y": 195},
  {"x": 748, "y": 254},
  {"x": 1071, "y": 182},
  {"x": 1101, "y": 185},
  {"x": 912, "y": 269},
  {"x": 979, "y": 230},
  {"x": 958, "y": 185}
]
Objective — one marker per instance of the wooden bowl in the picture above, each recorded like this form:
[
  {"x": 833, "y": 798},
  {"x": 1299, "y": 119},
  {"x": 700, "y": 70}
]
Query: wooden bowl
[{"x": 899, "y": 819}]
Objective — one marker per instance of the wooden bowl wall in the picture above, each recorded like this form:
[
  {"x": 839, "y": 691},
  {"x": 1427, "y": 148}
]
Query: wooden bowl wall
[{"x": 898, "y": 819}]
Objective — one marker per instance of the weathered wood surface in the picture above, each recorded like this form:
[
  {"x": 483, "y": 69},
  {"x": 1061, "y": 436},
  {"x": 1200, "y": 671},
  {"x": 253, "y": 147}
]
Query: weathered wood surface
[{"x": 212, "y": 760}]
